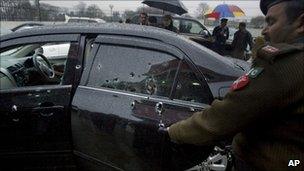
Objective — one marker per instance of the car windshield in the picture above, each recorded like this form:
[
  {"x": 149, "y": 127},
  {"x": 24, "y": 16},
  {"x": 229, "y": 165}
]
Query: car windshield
[{"x": 190, "y": 26}]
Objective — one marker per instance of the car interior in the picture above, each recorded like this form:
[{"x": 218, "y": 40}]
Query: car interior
[{"x": 33, "y": 64}]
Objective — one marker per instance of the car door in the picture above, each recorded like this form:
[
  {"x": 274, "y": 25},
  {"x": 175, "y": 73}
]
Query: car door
[
  {"x": 35, "y": 119},
  {"x": 114, "y": 122},
  {"x": 115, "y": 116}
]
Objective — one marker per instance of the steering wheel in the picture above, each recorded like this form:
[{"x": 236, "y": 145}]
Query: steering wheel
[{"x": 47, "y": 71}]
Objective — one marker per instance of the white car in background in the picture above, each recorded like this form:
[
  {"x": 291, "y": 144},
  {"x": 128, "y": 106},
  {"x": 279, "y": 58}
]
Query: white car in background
[
  {"x": 69, "y": 19},
  {"x": 53, "y": 50}
]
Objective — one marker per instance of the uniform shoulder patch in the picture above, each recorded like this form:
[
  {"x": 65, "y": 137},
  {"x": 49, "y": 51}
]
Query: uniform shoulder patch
[
  {"x": 271, "y": 52},
  {"x": 254, "y": 72},
  {"x": 240, "y": 83}
]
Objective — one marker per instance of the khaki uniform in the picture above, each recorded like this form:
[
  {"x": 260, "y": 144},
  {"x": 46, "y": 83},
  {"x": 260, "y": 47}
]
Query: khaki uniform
[{"x": 265, "y": 114}]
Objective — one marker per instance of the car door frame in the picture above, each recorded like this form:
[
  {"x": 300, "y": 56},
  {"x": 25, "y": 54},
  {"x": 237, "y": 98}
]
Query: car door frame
[{"x": 29, "y": 158}]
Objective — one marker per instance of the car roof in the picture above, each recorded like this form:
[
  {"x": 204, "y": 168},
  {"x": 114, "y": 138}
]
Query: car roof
[
  {"x": 97, "y": 28},
  {"x": 197, "y": 53}
]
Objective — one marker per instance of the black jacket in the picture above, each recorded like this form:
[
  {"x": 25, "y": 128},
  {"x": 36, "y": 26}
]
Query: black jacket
[
  {"x": 241, "y": 40},
  {"x": 220, "y": 34}
]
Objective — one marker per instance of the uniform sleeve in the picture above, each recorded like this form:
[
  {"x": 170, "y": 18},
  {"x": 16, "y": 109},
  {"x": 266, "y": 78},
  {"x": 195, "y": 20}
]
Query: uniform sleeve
[
  {"x": 214, "y": 31},
  {"x": 277, "y": 86}
]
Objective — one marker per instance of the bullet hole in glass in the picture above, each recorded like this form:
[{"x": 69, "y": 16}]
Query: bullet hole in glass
[{"x": 178, "y": 86}]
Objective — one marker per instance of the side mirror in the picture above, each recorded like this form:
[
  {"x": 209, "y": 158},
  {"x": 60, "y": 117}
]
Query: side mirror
[{"x": 204, "y": 33}]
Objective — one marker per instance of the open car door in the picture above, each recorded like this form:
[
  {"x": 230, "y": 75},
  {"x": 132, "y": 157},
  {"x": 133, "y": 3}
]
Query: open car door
[{"x": 35, "y": 113}]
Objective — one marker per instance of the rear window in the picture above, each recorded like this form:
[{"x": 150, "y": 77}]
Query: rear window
[{"x": 81, "y": 21}]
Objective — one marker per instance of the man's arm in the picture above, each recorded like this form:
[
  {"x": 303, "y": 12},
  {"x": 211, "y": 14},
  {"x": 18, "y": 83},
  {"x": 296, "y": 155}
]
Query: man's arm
[
  {"x": 227, "y": 32},
  {"x": 272, "y": 90},
  {"x": 235, "y": 37}
]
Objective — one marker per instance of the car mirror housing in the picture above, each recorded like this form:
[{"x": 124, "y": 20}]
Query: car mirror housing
[{"x": 204, "y": 33}]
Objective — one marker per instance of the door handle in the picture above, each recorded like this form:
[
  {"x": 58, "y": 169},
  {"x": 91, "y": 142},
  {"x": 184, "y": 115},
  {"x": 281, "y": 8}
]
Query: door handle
[
  {"x": 47, "y": 111},
  {"x": 14, "y": 113},
  {"x": 14, "y": 108},
  {"x": 159, "y": 109}
]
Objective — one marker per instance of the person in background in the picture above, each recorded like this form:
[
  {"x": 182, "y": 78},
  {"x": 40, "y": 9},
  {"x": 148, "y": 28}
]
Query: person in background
[
  {"x": 242, "y": 38},
  {"x": 220, "y": 35},
  {"x": 128, "y": 20},
  {"x": 143, "y": 19},
  {"x": 168, "y": 23}
]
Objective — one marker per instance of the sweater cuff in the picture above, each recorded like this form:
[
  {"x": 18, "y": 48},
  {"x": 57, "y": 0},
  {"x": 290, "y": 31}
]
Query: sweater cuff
[{"x": 174, "y": 133}]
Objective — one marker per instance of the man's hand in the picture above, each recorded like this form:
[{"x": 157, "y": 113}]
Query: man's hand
[{"x": 164, "y": 131}]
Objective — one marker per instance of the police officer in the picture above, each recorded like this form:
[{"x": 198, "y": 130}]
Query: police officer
[
  {"x": 264, "y": 111},
  {"x": 220, "y": 34}
]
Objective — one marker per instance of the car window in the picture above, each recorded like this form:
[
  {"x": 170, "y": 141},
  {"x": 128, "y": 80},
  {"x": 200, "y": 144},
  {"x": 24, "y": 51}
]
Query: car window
[
  {"x": 56, "y": 50},
  {"x": 21, "y": 70},
  {"x": 188, "y": 26},
  {"x": 189, "y": 87},
  {"x": 133, "y": 70},
  {"x": 81, "y": 21}
]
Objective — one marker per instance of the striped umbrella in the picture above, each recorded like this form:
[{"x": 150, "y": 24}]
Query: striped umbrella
[{"x": 225, "y": 10}]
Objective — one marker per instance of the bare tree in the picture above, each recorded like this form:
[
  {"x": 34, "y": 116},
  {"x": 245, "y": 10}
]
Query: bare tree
[
  {"x": 93, "y": 11},
  {"x": 116, "y": 16},
  {"x": 16, "y": 10},
  {"x": 201, "y": 10},
  {"x": 149, "y": 10},
  {"x": 80, "y": 9},
  {"x": 258, "y": 22},
  {"x": 129, "y": 14}
]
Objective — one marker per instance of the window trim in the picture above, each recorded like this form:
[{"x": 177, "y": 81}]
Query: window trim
[
  {"x": 138, "y": 42},
  {"x": 37, "y": 88}
]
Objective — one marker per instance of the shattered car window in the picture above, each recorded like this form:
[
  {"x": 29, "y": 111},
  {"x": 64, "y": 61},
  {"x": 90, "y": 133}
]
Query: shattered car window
[{"x": 134, "y": 70}]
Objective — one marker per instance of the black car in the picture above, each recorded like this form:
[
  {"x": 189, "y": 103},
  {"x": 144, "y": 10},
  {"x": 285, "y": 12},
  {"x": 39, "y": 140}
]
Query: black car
[
  {"x": 187, "y": 26},
  {"x": 93, "y": 97}
]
